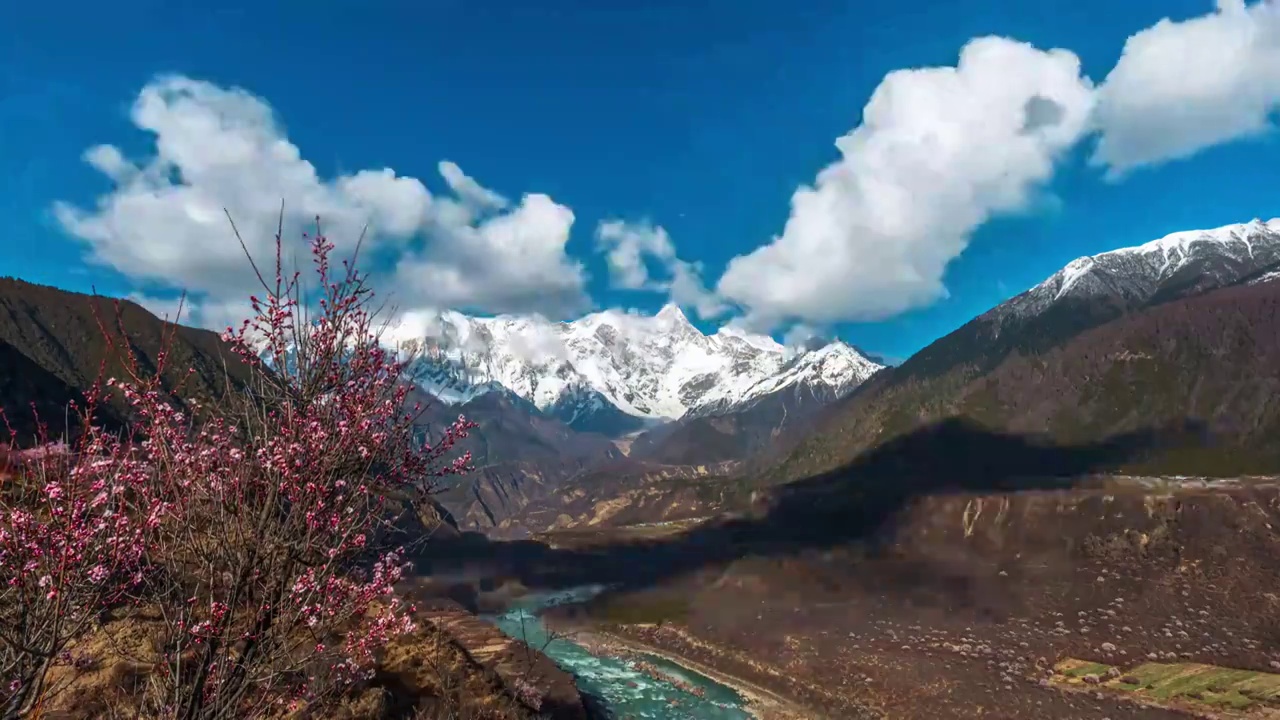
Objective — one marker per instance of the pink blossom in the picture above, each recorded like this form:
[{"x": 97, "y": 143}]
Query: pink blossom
[{"x": 292, "y": 496}]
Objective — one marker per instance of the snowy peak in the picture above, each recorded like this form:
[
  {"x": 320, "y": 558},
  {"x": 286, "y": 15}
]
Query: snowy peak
[
  {"x": 1179, "y": 262},
  {"x": 614, "y": 371},
  {"x": 735, "y": 337},
  {"x": 828, "y": 372},
  {"x": 671, "y": 316},
  {"x": 836, "y": 364}
]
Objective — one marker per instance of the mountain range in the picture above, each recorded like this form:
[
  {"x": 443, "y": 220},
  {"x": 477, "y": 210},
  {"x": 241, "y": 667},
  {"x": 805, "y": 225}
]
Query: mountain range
[
  {"x": 1177, "y": 329},
  {"x": 1172, "y": 346},
  {"x": 649, "y": 418},
  {"x": 613, "y": 394},
  {"x": 616, "y": 373}
]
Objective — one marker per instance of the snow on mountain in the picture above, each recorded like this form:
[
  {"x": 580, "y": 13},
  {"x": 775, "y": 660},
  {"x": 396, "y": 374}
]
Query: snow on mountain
[
  {"x": 829, "y": 372},
  {"x": 1174, "y": 263},
  {"x": 836, "y": 366},
  {"x": 1272, "y": 276},
  {"x": 613, "y": 371}
]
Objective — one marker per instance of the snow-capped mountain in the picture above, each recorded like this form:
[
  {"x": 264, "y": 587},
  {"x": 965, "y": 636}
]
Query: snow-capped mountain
[
  {"x": 1178, "y": 264},
  {"x": 826, "y": 374},
  {"x": 615, "y": 372},
  {"x": 1268, "y": 277},
  {"x": 1094, "y": 290}
]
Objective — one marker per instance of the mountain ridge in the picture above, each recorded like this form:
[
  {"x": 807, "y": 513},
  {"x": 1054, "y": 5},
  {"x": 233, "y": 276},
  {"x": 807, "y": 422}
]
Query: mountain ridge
[
  {"x": 1176, "y": 341},
  {"x": 1169, "y": 263},
  {"x": 615, "y": 372},
  {"x": 54, "y": 344},
  {"x": 979, "y": 370}
]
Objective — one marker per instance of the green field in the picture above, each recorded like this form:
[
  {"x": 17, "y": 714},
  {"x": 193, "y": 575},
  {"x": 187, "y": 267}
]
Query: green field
[{"x": 1222, "y": 688}]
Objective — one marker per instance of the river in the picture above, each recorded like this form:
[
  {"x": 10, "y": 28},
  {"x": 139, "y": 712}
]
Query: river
[{"x": 626, "y": 691}]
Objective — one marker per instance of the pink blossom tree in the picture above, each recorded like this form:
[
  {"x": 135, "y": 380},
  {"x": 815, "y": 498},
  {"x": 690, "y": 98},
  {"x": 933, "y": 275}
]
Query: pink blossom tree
[
  {"x": 70, "y": 545},
  {"x": 257, "y": 530}
]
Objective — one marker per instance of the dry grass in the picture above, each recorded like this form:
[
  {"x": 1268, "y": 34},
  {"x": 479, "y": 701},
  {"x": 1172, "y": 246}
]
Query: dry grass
[{"x": 424, "y": 675}]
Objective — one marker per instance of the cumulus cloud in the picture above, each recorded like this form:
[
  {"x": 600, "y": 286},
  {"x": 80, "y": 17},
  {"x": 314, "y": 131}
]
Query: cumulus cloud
[
  {"x": 1180, "y": 87},
  {"x": 631, "y": 248},
  {"x": 938, "y": 153},
  {"x": 800, "y": 335},
  {"x": 626, "y": 246},
  {"x": 513, "y": 262},
  {"x": 215, "y": 148},
  {"x": 539, "y": 341},
  {"x": 208, "y": 312},
  {"x": 471, "y": 193}
]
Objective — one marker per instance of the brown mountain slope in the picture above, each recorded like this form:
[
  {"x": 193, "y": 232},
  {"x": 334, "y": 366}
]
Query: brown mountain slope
[
  {"x": 1212, "y": 358},
  {"x": 621, "y": 493},
  {"x": 28, "y": 391},
  {"x": 519, "y": 455},
  {"x": 512, "y": 430},
  {"x": 778, "y": 419},
  {"x": 52, "y": 349}
]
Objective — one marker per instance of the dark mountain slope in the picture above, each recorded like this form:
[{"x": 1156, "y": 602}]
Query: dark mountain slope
[
  {"x": 52, "y": 349},
  {"x": 513, "y": 430},
  {"x": 736, "y": 435},
  {"x": 1213, "y": 357},
  {"x": 1091, "y": 291},
  {"x": 519, "y": 455},
  {"x": 28, "y": 392}
]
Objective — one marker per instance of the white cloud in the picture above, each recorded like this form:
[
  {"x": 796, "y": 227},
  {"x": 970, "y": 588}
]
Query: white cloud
[
  {"x": 208, "y": 312},
  {"x": 513, "y": 262},
  {"x": 942, "y": 150},
  {"x": 626, "y": 246},
  {"x": 799, "y": 334},
  {"x": 468, "y": 190},
  {"x": 629, "y": 249},
  {"x": 108, "y": 160},
  {"x": 396, "y": 205},
  {"x": 686, "y": 289},
  {"x": 939, "y": 152},
  {"x": 1180, "y": 87},
  {"x": 539, "y": 341},
  {"x": 797, "y": 337},
  {"x": 215, "y": 148}
]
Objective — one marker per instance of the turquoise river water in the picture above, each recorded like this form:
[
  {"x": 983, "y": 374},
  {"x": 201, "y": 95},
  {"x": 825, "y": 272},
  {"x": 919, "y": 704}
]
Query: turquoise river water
[{"x": 627, "y": 692}]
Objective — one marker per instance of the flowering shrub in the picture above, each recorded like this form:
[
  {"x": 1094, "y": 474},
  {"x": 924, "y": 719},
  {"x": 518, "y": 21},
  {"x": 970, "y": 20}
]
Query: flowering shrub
[
  {"x": 527, "y": 693},
  {"x": 255, "y": 531},
  {"x": 70, "y": 545}
]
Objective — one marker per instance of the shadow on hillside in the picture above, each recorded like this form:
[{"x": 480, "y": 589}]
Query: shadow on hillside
[
  {"x": 856, "y": 504},
  {"x": 45, "y": 398}
]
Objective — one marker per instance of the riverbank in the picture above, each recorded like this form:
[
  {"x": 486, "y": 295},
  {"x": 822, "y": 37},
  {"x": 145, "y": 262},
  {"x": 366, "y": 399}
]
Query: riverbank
[
  {"x": 648, "y": 688},
  {"x": 524, "y": 671},
  {"x": 761, "y": 703}
]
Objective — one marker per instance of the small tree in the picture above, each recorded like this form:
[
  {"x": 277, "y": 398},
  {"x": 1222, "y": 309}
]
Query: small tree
[
  {"x": 71, "y": 544},
  {"x": 254, "y": 530}
]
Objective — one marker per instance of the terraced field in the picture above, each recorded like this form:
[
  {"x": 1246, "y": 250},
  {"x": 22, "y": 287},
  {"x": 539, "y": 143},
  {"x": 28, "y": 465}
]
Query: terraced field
[{"x": 1211, "y": 690}]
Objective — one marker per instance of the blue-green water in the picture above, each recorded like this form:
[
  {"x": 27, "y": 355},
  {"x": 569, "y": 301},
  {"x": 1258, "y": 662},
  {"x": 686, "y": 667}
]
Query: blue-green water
[{"x": 627, "y": 692}]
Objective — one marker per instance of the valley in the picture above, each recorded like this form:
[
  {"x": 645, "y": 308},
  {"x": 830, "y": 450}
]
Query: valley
[
  {"x": 1055, "y": 511},
  {"x": 956, "y": 606},
  {"x": 1086, "y": 473}
]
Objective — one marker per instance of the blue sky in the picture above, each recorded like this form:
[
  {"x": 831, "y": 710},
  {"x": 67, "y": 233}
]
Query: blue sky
[{"x": 702, "y": 118}]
